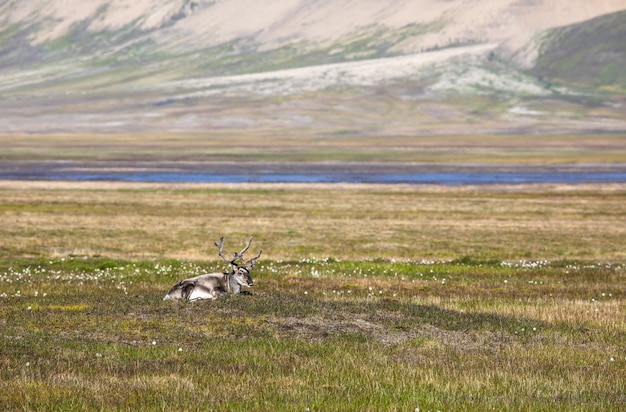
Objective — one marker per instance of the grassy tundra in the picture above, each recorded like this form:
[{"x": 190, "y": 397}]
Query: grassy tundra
[{"x": 366, "y": 298}]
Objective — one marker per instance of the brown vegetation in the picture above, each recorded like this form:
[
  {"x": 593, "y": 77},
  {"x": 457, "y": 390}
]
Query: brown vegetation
[{"x": 345, "y": 221}]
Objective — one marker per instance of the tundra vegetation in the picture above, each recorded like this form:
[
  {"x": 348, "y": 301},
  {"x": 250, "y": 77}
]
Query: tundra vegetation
[{"x": 366, "y": 298}]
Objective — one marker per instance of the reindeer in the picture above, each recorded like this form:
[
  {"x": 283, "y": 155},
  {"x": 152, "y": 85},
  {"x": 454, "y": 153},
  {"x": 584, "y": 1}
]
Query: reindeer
[{"x": 213, "y": 285}]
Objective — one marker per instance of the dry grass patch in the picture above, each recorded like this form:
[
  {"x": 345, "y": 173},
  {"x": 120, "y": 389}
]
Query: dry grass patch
[{"x": 352, "y": 222}]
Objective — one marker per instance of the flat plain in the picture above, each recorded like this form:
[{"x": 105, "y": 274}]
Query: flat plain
[
  {"x": 317, "y": 146},
  {"x": 366, "y": 297}
]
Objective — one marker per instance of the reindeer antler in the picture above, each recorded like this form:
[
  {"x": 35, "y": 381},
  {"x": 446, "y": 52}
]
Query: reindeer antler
[
  {"x": 250, "y": 263},
  {"x": 245, "y": 249},
  {"x": 238, "y": 255},
  {"x": 220, "y": 247}
]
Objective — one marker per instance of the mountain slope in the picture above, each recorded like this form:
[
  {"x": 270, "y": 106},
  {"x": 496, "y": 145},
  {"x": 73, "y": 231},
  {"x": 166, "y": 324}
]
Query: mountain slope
[
  {"x": 336, "y": 30},
  {"x": 590, "y": 54},
  {"x": 328, "y": 66}
]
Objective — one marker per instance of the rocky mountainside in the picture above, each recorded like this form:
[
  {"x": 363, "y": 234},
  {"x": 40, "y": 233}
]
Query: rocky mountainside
[{"x": 325, "y": 66}]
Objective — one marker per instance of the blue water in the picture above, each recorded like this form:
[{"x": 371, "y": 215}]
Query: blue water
[
  {"x": 417, "y": 178},
  {"x": 232, "y": 172}
]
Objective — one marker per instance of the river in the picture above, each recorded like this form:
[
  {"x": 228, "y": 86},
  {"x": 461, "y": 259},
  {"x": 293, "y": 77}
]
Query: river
[{"x": 319, "y": 172}]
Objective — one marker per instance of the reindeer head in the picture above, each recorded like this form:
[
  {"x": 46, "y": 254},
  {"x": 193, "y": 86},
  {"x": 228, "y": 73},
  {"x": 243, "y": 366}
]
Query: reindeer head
[
  {"x": 241, "y": 271},
  {"x": 242, "y": 276}
]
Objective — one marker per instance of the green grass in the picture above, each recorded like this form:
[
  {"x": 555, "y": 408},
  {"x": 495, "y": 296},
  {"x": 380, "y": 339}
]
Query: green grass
[
  {"x": 366, "y": 298},
  {"x": 323, "y": 335}
]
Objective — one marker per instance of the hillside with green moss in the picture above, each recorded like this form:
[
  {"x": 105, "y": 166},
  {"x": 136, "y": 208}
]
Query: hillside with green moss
[{"x": 591, "y": 54}]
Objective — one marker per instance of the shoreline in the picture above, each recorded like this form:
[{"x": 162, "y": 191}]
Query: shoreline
[{"x": 8, "y": 184}]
